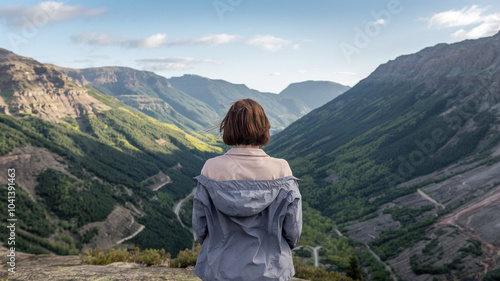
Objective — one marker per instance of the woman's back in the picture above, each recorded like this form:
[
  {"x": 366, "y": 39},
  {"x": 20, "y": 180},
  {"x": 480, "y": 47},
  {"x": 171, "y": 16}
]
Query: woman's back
[
  {"x": 247, "y": 211},
  {"x": 247, "y": 228}
]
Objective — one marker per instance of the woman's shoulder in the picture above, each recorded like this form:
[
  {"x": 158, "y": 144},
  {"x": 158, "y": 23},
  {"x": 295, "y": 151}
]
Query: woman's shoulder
[
  {"x": 285, "y": 167},
  {"x": 279, "y": 166},
  {"x": 225, "y": 167},
  {"x": 217, "y": 160},
  {"x": 214, "y": 161}
]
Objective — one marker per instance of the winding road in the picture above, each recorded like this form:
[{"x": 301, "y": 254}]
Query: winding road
[{"x": 177, "y": 208}]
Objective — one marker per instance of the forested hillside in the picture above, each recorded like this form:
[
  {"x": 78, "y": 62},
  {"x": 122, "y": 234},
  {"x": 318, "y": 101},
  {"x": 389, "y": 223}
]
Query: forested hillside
[
  {"x": 150, "y": 93},
  {"x": 87, "y": 164},
  {"x": 417, "y": 139}
]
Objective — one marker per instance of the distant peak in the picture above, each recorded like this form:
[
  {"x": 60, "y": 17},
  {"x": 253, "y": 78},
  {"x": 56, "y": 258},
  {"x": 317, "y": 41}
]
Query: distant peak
[{"x": 194, "y": 76}]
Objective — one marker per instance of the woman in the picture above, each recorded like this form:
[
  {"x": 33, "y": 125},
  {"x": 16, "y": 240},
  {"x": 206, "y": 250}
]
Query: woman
[{"x": 247, "y": 212}]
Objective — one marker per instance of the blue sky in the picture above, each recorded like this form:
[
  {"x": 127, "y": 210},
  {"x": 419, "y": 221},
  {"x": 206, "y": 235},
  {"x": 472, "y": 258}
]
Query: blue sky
[{"x": 264, "y": 44}]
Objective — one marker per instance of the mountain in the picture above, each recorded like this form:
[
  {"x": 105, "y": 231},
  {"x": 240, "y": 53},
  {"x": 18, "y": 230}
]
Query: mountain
[
  {"x": 314, "y": 93},
  {"x": 101, "y": 155},
  {"x": 193, "y": 102},
  {"x": 220, "y": 94},
  {"x": 28, "y": 87},
  {"x": 89, "y": 170},
  {"x": 406, "y": 162},
  {"x": 150, "y": 93}
]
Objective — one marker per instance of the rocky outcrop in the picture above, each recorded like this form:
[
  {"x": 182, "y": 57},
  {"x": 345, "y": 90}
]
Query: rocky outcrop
[
  {"x": 117, "y": 77},
  {"x": 30, "y": 87},
  {"x": 53, "y": 105},
  {"x": 51, "y": 267}
]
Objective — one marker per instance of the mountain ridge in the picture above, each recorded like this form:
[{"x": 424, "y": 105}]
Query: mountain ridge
[
  {"x": 433, "y": 115},
  {"x": 148, "y": 92},
  {"x": 220, "y": 94},
  {"x": 314, "y": 93}
]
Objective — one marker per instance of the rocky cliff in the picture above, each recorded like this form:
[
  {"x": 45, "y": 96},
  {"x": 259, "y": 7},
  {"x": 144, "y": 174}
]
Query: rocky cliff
[{"x": 30, "y": 87}]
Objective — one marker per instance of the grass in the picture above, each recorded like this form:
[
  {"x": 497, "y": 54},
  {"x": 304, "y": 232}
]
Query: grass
[{"x": 148, "y": 257}]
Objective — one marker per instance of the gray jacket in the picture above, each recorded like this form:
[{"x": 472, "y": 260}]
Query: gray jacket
[{"x": 247, "y": 228}]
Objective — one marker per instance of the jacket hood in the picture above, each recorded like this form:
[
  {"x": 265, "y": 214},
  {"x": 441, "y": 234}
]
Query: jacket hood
[{"x": 242, "y": 198}]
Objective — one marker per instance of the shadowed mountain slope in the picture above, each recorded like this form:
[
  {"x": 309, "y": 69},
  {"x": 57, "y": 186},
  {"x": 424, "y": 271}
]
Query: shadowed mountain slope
[{"x": 384, "y": 159}]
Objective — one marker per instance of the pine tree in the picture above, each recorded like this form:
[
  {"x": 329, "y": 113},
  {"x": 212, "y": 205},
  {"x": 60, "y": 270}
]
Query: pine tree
[{"x": 354, "y": 270}]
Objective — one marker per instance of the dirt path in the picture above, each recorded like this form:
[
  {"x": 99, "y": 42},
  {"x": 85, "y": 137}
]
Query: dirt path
[
  {"x": 141, "y": 228},
  {"x": 430, "y": 199},
  {"x": 161, "y": 180}
]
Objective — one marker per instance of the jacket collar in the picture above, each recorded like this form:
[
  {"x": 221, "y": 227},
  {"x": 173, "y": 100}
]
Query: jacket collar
[{"x": 246, "y": 152}]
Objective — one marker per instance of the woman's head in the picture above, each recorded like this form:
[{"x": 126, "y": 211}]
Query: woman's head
[{"x": 245, "y": 123}]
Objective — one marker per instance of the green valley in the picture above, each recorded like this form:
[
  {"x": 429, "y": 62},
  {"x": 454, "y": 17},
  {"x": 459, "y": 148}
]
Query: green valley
[{"x": 399, "y": 174}]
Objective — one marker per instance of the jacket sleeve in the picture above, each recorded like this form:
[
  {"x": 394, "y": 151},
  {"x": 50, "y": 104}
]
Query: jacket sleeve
[
  {"x": 199, "y": 219},
  {"x": 292, "y": 224}
]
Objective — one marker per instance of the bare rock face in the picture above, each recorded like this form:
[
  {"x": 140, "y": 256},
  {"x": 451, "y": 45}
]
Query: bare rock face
[
  {"x": 117, "y": 77},
  {"x": 29, "y": 162},
  {"x": 159, "y": 180},
  {"x": 30, "y": 87}
]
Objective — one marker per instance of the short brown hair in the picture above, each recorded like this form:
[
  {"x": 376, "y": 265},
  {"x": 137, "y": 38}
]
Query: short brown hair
[{"x": 245, "y": 123}]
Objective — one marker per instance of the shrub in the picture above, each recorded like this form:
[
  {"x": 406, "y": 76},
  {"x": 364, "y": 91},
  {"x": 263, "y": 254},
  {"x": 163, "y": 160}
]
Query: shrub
[
  {"x": 317, "y": 273},
  {"x": 186, "y": 258}
]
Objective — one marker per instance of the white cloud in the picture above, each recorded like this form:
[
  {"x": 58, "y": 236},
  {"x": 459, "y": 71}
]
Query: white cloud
[
  {"x": 268, "y": 42},
  {"x": 152, "y": 42},
  {"x": 489, "y": 27},
  {"x": 485, "y": 24},
  {"x": 103, "y": 39},
  {"x": 302, "y": 71},
  {"x": 211, "y": 40},
  {"x": 44, "y": 13},
  {"x": 275, "y": 73},
  {"x": 380, "y": 22},
  {"x": 172, "y": 63},
  {"x": 452, "y": 18}
]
